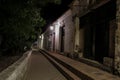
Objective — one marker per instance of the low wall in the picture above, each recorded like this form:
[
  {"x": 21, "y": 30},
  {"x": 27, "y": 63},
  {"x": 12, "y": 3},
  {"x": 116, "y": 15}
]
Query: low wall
[{"x": 17, "y": 70}]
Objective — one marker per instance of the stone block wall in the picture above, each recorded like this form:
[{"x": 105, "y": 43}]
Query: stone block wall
[{"x": 17, "y": 70}]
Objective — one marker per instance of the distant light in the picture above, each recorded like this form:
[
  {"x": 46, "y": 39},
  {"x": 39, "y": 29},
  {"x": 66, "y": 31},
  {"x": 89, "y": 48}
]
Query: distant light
[
  {"x": 51, "y": 27},
  {"x": 58, "y": 23},
  {"x": 40, "y": 37}
]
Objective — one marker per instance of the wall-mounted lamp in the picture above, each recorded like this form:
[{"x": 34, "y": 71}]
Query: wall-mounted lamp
[
  {"x": 51, "y": 27},
  {"x": 40, "y": 36}
]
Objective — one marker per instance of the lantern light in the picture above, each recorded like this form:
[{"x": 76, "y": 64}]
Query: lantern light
[{"x": 51, "y": 27}]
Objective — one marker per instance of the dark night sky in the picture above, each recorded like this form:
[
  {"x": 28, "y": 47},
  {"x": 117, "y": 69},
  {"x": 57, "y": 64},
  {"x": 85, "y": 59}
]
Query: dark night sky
[{"x": 53, "y": 11}]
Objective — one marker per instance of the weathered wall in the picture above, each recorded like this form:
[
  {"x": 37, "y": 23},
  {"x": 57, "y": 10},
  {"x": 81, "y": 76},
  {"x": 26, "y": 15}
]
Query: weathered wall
[
  {"x": 66, "y": 21},
  {"x": 69, "y": 34},
  {"x": 83, "y": 7},
  {"x": 17, "y": 70},
  {"x": 117, "y": 40}
]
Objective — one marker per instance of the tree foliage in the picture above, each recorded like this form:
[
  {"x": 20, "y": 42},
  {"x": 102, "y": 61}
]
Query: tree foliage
[{"x": 20, "y": 23}]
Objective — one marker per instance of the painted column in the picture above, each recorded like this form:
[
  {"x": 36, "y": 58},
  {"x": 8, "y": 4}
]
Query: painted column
[
  {"x": 57, "y": 26},
  {"x": 53, "y": 39},
  {"x": 76, "y": 34},
  {"x": 42, "y": 41},
  {"x": 79, "y": 38}
]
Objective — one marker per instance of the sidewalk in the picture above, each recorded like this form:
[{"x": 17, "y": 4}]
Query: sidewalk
[
  {"x": 41, "y": 69},
  {"x": 81, "y": 68}
]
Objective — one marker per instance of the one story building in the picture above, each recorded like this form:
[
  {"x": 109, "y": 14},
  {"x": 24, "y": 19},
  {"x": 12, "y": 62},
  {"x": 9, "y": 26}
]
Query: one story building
[{"x": 90, "y": 31}]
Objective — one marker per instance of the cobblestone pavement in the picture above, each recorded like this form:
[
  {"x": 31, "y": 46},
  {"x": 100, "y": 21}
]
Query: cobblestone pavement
[{"x": 39, "y": 68}]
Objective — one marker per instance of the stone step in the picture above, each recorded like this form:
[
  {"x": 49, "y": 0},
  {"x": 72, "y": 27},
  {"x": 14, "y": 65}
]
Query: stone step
[
  {"x": 82, "y": 70},
  {"x": 70, "y": 68},
  {"x": 67, "y": 73}
]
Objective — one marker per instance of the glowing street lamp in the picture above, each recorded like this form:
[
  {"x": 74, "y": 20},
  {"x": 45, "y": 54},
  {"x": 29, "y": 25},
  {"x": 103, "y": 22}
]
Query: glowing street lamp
[
  {"x": 51, "y": 27},
  {"x": 40, "y": 37}
]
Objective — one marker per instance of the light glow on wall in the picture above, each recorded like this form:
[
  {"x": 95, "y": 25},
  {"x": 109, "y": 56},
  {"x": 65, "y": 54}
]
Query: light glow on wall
[
  {"x": 56, "y": 30},
  {"x": 57, "y": 26}
]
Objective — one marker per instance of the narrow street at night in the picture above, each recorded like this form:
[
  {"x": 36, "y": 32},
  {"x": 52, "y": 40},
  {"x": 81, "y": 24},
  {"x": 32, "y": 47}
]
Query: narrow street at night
[
  {"x": 59, "y": 39},
  {"x": 39, "y": 68}
]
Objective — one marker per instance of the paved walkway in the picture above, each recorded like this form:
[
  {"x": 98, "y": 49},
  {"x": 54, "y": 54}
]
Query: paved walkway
[{"x": 41, "y": 69}]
